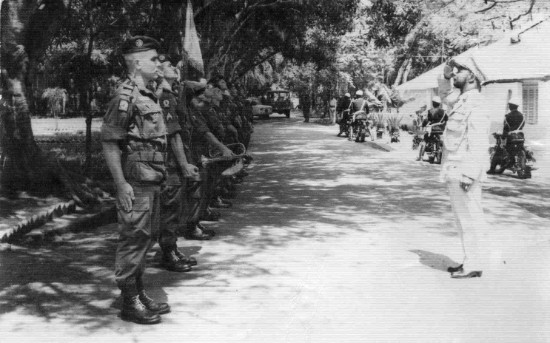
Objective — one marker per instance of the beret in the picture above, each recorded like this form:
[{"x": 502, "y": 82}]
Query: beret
[{"x": 138, "y": 44}]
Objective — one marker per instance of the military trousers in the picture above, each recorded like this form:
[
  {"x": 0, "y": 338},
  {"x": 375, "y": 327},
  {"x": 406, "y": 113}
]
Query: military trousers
[
  {"x": 138, "y": 230},
  {"x": 172, "y": 212},
  {"x": 471, "y": 224}
]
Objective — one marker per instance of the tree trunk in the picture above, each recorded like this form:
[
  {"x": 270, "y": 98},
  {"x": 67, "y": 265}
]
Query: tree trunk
[
  {"x": 400, "y": 72},
  {"x": 407, "y": 72},
  {"x": 26, "y": 30}
]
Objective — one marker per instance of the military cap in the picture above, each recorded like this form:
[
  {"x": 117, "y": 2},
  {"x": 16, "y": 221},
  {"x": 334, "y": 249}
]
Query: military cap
[
  {"x": 168, "y": 58},
  {"x": 138, "y": 44},
  {"x": 469, "y": 63}
]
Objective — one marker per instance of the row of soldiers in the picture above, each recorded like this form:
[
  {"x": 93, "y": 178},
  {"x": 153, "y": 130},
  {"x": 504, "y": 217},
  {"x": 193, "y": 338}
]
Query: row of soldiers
[{"x": 174, "y": 151}]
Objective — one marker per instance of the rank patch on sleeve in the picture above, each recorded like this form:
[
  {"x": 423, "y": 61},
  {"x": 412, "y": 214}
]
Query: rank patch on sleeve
[
  {"x": 123, "y": 105},
  {"x": 166, "y": 103}
]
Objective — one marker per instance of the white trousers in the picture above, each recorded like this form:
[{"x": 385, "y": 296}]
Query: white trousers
[{"x": 471, "y": 224}]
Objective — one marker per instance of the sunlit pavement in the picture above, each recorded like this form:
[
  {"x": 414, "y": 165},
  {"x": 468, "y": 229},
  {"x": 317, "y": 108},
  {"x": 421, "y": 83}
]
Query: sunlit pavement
[{"x": 327, "y": 241}]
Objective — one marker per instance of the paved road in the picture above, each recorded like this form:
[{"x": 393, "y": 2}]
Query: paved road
[{"x": 328, "y": 241}]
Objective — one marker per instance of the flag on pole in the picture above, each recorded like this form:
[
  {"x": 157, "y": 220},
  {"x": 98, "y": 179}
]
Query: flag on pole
[{"x": 191, "y": 41}]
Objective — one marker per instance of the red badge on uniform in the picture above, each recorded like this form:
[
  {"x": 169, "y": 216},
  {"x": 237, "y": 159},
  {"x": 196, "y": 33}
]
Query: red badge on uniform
[
  {"x": 123, "y": 105},
  {"x": 166, "y": 103}
]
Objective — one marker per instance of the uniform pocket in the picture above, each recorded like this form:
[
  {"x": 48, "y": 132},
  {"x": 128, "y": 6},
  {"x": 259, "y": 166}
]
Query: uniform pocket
[
  {"x": 454, "y": 131},
  {"x": 138, "y": 220}
]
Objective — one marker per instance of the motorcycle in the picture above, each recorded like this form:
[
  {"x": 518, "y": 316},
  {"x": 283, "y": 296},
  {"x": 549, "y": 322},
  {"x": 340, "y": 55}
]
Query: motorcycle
[
  {"x": 434, "y": 144},
  {"x": 417, "y": 139},
  {"x": 513, "y": 155},
  {"x": 345, "y": 123},
  {"x": 360, "y": 127},
  {"x": 394, "y": 134}
]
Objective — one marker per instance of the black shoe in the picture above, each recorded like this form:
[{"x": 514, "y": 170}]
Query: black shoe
[
  {"x": 469, "y": 275},
  {"x": 153, "y": 306},
  {"x": 197, "y": 234},
  {"x": 187, "y": 259},
  {"x": 491, "y": 172},
  {"x": 133, "y": 310},
  {"x": 171, "y": 262},
  {"x": 220, "y": 203},
  {"x": 205, "y": 230},
  {"x": 211, "y": 216},
  {"x": 458, "y": 269}
]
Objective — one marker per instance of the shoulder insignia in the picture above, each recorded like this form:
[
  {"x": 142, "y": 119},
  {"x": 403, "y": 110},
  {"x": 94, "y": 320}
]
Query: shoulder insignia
[
  {"x": 166, "y": 103},
  {"x": 123, "y": 105}
]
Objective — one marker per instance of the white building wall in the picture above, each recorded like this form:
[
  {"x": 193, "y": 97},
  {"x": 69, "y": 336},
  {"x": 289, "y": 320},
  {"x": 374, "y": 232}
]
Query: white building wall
[{"x": 538, "y": 135}]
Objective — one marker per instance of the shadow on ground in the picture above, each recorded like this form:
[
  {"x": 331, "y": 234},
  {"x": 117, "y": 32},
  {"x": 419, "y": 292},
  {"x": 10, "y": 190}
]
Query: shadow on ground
[{"x": 303, "y": 186}]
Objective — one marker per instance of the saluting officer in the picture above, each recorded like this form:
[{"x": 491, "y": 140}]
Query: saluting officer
[
  {"x": 465, "y": 156},
  {"x": 134, "y": 144}
]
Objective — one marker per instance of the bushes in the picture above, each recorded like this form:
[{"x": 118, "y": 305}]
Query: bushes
[
  {"x": 70, "y": 150},
  {"x": 56, "y": 99}
]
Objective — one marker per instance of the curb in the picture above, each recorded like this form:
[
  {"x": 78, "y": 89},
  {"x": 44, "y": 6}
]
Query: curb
[
  {"x": 58, "y": 220},
  {"x": 37, "y": 221},
  {"x": 76, "y": 222}
]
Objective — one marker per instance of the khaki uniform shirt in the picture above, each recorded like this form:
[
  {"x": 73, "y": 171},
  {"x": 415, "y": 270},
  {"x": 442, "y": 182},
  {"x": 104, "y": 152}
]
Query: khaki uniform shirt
[
  {"x": 466, "y": 138},
  {"x": 135, "y": 120}
]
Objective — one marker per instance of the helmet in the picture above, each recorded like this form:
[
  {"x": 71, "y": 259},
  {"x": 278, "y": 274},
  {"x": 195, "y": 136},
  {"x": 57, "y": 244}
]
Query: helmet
[
  {"x": 436, "y": 99},
  {"x": 514, "y": 101},
  {"x": 348, "y": 95},
  {"x": 359, "y": 93}
]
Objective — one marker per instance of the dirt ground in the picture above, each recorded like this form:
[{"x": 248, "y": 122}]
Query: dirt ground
[{"x": 327, "y": 241}]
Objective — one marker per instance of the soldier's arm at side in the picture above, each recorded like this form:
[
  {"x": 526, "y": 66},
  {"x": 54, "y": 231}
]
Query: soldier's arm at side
[
  {"x": 125, "y": 193},
  {"x": 478, "y": 143},
  {"x": 215, "y": 142},
  {"x": 113, "y": 131},
  {"x": 188, "y": 169}
]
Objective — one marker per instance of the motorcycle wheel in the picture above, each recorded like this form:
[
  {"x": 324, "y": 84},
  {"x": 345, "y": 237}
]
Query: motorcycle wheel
[
  {"x": 523, "y": 172},
  {"x": 350, "y": 133},
  {"x": 437, "y": 157}
]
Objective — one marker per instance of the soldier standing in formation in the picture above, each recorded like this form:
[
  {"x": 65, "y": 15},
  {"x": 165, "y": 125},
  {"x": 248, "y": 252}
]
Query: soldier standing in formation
[
  {"x": 134, "y": 144},
  {"x": 178, "y": 169},
  {"x": 465, "y": 155}
]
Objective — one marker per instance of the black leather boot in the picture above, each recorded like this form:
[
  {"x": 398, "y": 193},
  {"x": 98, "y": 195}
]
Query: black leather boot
[
  {"x": 186, "y": 259},
  {"x": 152, "y": 305},
  {"x": 133, "y": 310},
  {"x": 171, "y": 262}
]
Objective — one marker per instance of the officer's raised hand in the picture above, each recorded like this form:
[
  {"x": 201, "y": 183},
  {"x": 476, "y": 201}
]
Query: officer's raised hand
[{"x": 125, "y": 196}]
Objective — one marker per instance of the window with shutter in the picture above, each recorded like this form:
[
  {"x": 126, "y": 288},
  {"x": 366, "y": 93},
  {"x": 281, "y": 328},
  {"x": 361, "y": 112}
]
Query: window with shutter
[{"x": 530, "y": 102}]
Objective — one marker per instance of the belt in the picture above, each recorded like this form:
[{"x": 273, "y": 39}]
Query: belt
[{"x": 147, "y": 156}]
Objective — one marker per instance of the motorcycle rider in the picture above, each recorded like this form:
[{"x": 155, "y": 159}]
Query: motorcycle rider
[
  {"x": 435, "y": 115},
  {"x": 343, "y": 111},
  {"x": 513, "y": 120},
  {"x": 358, "y": 104}
]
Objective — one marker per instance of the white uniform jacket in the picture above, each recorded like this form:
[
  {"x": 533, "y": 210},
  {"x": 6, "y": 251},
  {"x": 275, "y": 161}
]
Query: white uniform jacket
[{"x": 466, "y": 138}]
